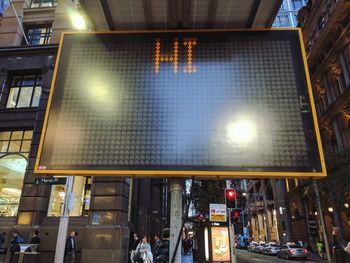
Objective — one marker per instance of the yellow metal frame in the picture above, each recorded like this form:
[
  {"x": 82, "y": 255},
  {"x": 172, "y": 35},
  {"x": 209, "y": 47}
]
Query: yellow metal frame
[{"x": 175, "y": 173}]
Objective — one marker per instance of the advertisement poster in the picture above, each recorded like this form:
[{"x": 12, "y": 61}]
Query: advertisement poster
[
  {"x": 217, "y": 212},
  {"x": 220, "y": 244}
]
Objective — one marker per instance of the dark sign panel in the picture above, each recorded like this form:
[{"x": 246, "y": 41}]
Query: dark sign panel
[
  {"x": 203, "y": 103},
  {"x": 51, "y": 181}
]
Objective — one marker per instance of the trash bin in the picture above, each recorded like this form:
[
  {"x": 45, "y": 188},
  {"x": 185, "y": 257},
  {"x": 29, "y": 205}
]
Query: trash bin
[{"x": 28, "y": 254}]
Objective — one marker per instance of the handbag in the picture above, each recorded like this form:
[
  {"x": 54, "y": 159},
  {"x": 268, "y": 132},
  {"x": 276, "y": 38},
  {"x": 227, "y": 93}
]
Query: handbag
[
  {"x": 137, "y": 256},
  {"x": 347, "y": 248}
]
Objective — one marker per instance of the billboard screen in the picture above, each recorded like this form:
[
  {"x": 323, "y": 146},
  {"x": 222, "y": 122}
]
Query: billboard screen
[
  {"x": 220, "y": 244},
  {"x": 179, "y": 103}
]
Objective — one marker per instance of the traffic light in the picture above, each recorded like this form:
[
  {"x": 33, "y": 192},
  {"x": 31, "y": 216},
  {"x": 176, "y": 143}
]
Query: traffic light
[
  {"x": 230, "y": 198},
  {"x": 235, "y": 216}
]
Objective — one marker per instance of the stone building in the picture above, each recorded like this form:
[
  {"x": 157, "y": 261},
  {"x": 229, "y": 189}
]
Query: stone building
[{"x": 325, "y": 26}]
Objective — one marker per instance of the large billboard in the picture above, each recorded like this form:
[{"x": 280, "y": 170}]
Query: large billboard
[{"x": 211, "y": 103}]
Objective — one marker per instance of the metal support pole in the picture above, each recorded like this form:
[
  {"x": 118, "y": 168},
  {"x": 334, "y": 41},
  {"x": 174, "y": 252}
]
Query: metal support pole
[
  {"x": 232, "y": 230},
  {"x": 176, "y": 222},
  {"x": 64, "y": 221},
  {"x": 232, "y": 239},
  {"x": 131, "y": 191},
  {"x": 19, "y": 23},
  {"x": 323, "y": 228}
]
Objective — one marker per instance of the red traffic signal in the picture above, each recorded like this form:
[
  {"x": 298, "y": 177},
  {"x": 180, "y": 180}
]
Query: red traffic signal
[
  {"x": 235, "y": 216},
  {"x": 230, "y": 198}
]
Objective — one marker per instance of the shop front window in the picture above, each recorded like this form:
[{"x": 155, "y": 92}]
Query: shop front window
[
  {"x": 14, "y": 150},
  {"x": 82, "y": 192}
]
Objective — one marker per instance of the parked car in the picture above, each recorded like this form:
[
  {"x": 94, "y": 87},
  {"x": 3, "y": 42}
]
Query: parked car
[
  {"x": 259, "y": 248},
  {"x": 271, "y": 249},
  {"x": 289, "y": 251},
  {"x": 251, "y": 246}
]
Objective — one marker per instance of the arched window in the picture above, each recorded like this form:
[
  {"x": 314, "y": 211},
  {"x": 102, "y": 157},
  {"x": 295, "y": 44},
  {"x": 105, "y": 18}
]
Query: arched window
[{"x": 12, "y": 170}]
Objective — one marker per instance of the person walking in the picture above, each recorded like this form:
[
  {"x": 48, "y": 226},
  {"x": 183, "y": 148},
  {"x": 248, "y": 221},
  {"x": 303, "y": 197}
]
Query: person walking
[
  {"x": 69, "y": 255},
  {"x": 133, "y": 246},
  {"x": 157, "y": 249},
  {"x": 144, "y": 248},
  {"x": 15, "y": 241},
  {"x": 321, "y": 249},
  {"x": 35, "y": 238},
  {"x": 2, "y": 243}
]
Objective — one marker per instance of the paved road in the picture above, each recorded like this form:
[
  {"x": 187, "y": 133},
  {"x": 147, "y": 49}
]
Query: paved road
[{"x": 248, "y": 257}]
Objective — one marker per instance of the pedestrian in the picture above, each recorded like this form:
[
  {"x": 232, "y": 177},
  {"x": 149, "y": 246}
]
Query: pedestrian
[
  {"x": 15, "y": 241},
  {"x": 347, "y": 251},
  {"x": 144, "y": 250},
  {"x": 135, "y": 242},
  {"x": 321, "y": 249},
  {"x": 35, "y": 238},
  {"x": 69, "y": 255},
  {"x": 157, "y": 249},
  {"x": 2, "y": 243}
]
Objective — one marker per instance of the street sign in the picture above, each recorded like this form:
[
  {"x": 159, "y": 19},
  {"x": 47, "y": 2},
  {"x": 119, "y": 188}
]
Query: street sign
[
  {"x": 51, "y": 181},
  {"x": 217, "y": 213},
  {"x": 215, "y": 103}
]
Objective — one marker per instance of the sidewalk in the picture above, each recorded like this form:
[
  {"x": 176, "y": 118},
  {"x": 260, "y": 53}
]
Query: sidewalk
[{"x": 316, "y": 257}]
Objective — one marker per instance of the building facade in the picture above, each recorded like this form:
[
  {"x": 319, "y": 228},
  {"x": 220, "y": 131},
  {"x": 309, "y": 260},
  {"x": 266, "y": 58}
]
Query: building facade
[
  {"x": 325, "y": 27},
  {"x": 101, "y": 212},
  {"x": 287, "y": 15},
  {"x": 267, "y": 206}
]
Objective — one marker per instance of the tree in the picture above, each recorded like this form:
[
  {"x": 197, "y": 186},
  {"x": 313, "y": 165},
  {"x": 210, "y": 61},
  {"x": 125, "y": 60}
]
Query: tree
[{"x": 206, "y": 192}]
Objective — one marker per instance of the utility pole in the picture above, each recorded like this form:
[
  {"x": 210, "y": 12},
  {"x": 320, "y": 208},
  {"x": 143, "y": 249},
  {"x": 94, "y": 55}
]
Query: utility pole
[
  {"x": 64, "y": 221},
  {"x": 323, "y": 228}
]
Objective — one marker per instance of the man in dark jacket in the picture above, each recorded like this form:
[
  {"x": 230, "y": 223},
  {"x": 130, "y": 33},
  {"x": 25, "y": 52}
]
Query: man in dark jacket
[
  {"x": 15, "y": 241},
  {"x": 157, "y": 249},
  {"x": 70, "y": 248},
  {"x": 35, "y": 239}
]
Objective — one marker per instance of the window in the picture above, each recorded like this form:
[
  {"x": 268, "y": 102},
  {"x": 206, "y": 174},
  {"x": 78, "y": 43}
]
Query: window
[
  {"x": 283, "y": 20},
  {"x": 345, "y": 69},
  {"x": 334, "y": 143},
  {"x": 39, "y": 35},
  {"x": 25, "y": 91},
  {"x": 82, "y": 192},
  {"x": 341, "y": 85},
  {"x": 14, "y": 149},
  {"x": 297, "y": 4},
  {"x": 43, "y": 3},
  {"x": 15, "y": 142},
  {"x": 321, "y": 22}
]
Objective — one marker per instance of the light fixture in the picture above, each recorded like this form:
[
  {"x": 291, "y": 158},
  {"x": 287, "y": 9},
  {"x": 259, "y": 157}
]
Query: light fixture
[
  {"x": 316, "y": 213},
  {"x": 346, "y": 205},
  {"x": 206, "y": 244},
  {"x": 244, "y": 194},
  {"x": 78, "y": 21},
  {"x": 330, "y": 209}
]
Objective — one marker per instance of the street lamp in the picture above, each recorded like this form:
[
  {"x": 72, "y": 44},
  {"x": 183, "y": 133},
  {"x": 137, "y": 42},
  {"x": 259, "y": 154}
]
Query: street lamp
[{"x": 78, "y": 21}]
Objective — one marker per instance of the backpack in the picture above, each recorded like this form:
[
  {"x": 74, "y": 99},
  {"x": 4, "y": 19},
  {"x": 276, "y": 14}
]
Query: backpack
[{"x": 20, "y": 239}]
